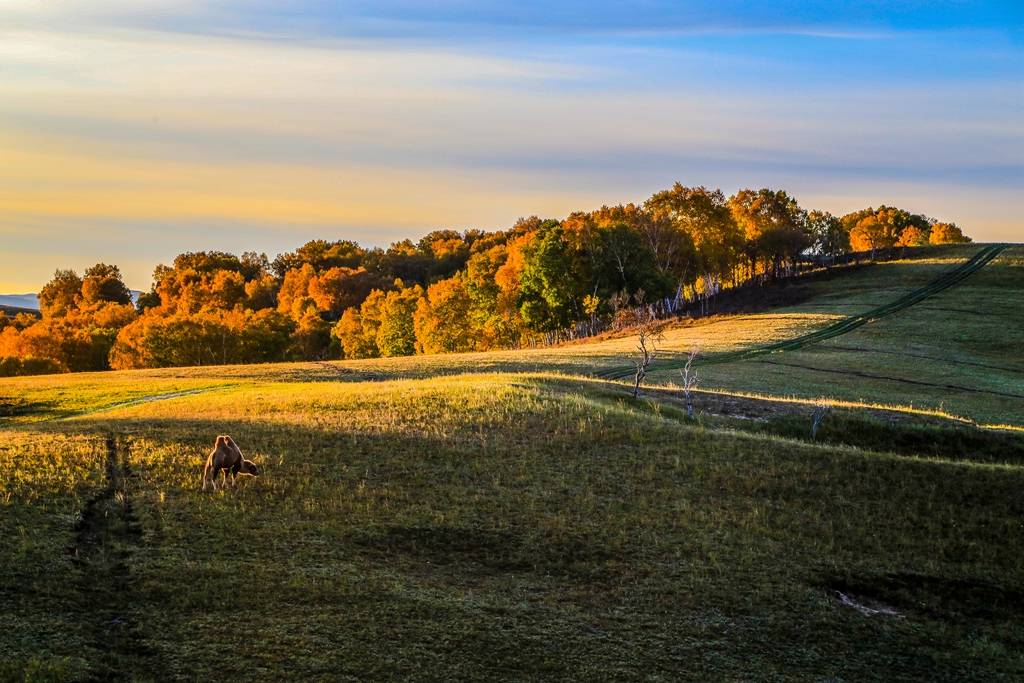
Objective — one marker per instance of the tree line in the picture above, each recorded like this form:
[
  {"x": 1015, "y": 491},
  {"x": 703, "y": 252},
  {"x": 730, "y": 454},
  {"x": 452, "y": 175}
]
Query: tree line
[{"x": 539, "y": 280}]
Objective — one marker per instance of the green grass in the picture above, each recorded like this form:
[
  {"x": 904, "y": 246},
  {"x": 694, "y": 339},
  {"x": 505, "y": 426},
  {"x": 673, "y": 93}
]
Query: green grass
[
  {"x": 507, "y": 517},
  {"x": 954, "y": 352}
]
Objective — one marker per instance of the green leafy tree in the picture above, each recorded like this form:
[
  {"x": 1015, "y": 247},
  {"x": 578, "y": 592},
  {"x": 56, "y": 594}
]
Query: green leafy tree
[
  {"x": 830, "y": 237},
  {"x": 625, "y": 263},
  {"x": 396, "y": 335},
  {"x": 551, "y": 288}
]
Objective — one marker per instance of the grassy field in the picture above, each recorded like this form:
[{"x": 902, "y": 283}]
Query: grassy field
[{"x": 510, "y": 516}]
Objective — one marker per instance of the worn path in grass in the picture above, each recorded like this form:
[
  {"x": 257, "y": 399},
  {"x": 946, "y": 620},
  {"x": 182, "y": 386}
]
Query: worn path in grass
[
  {"x": 143, "y": 399},
  {"x": 941, "y": 283}
]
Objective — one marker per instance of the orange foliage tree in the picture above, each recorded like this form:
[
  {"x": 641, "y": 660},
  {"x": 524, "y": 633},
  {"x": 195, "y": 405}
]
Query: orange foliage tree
[
  {"x": 947, "y": 233},
  {"x": 448, "y": 291},
  {"x": 442, "y": 322}
]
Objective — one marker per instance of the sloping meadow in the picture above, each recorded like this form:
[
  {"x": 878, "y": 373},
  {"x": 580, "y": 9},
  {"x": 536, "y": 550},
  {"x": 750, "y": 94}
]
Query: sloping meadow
[{"x": 493, "y": 526}]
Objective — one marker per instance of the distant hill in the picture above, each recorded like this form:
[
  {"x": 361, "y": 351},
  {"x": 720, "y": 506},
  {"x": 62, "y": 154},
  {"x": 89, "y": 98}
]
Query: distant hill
[
  {"x": 14, "y": 310},
  {"x": 29, "y": 301}
]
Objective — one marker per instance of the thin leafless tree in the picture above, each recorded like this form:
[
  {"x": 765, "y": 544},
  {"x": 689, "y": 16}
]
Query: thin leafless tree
[
  {"x": 821, "y": 410},
  {"x": 690, "y": 379},
  {"x": 648, "y": 338}
]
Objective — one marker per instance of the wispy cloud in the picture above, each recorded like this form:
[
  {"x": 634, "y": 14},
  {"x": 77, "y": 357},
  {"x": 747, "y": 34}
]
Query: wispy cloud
[
  {"x": 456, "y": 19},
  {"x": 380, "y": 120}
]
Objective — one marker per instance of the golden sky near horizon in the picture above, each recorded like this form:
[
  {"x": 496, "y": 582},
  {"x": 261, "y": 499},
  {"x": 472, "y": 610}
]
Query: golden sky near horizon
[{"x": 130, "y": 143}]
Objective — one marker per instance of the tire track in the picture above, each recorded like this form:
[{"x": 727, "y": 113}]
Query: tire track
[
  {"x": 868, "y": 375},
  {"x": 140, "y": 401},
  {"x": 948, "y": 361}
]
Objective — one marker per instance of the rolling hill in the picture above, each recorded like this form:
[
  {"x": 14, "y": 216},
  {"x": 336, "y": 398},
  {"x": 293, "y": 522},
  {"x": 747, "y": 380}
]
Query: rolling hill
[
  {"x": 517, "y": 516},
  {"x": 28, "y": 302}
]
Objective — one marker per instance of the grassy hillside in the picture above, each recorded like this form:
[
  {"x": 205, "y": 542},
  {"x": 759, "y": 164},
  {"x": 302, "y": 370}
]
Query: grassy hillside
[
  {"x": 512, "y": 516},
  {"x": 956, "y": 352}
]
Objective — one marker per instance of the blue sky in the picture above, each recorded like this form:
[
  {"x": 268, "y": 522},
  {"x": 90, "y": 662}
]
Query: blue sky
[{"x": 136, "y": 130}]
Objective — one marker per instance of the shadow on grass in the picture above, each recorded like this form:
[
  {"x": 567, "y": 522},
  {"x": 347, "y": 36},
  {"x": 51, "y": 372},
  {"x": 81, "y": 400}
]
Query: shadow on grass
[
  {"x": 495, "y": 543},
  {"x": 14, "y": 406},
  {"x": 395, "y": 459},
  {"x": 879, "y": 430}
]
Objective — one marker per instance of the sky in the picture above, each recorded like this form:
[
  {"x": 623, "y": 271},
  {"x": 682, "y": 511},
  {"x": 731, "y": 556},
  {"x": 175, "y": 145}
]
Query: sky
[{"x": 134, "y": 130}]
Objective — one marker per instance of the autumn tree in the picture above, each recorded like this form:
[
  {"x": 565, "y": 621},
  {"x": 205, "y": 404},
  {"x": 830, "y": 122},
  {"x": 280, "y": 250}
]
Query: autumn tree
[
  {"x": 203, "y": 280},
  {"x": 702, "y": 222},
  {"x": 370, "y": 316},
  {"x": 912, "y": 236},
  {"x": 78, "y": 327},
  {"x": 320, "y": 255},
  {"x": 774, "y": 225},
  {"x": 339, "y": 288},
  {"x": 226, "y": 290},
  {"x": 60, "y": 294},
  {"x": 205, "y": 338},
  {"x": 827, "y": 231},
  {"x": 261, "y": 292},
  {"x": 311, "y": 338},
  {"x": 103, "y": 283},
  {"x": 396, "y": 335},
  {"x": 947, "y": 233},
  {"x": 350, "y": 335},
  {"x": 442, "y": 321},
  {"x": 869, "y": 234},
  {"x": 448, "y": 291},
  {"x": 78, "y": 341},
  {"x": 871, "y": 229},
  {"x": 294, "y": 290},
  {"x": 493, "y": 312}
]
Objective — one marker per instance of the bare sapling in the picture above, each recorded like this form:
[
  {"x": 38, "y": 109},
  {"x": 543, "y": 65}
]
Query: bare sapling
[
  {"x": 690, "y": 379},
  {"x": 648, "y": 338},
  {"x": 821, "y": 410}
]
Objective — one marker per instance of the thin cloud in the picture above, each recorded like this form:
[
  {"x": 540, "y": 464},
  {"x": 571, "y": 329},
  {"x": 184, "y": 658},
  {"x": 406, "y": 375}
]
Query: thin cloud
[{"x": 379, "y": 121}]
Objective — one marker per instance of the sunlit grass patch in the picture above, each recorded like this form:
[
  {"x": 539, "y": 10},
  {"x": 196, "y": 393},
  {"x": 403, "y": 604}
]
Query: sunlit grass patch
[{"x": 35, "y": 399}]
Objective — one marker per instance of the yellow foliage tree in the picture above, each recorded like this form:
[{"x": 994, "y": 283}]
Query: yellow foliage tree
[
  {"x": 912, "y": 236},
  {"x": 442, "y": 321},
  {"x": 947, "y": 233}
]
